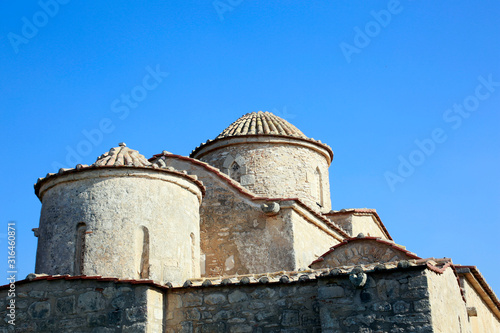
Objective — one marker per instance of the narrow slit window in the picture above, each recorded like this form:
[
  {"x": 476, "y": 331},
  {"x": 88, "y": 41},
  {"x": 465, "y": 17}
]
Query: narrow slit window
[
  {"x": 319, "y": 187},
  {"x": 144, "y": 264},
  {"x": 193, "y": 256},
  {"x": 81, "y": 230}
]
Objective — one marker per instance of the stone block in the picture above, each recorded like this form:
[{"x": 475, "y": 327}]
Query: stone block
[
  {"x": 135, "y": 328},
  {"x": 247, "y": 180},
  {"x": 263, "y": 293},
  {"x": 422, "y": 305},
  {"x": 192, "y": 314},
  {"x": 401, "y": 307},
  {"x": 39, "y": 310},
  {"x": 91, "y": 301},
  {"x": 186, "y": 327},
  {"x": 115, "y": 317},
  {"x": 417, "y": 282},
  {"x": 240, "y": 329},
  {"x": 190, "y": 299},
  {"x": 137, "y": 313},
  {"x": 290, "y": 318},
  {"x": 237, "y": 296},
  {"x": 214, "y": 328},
  {"x": 213, "y": 299},
  {"x": 330, "y": 292},
  {"x": 388, "y": 289},
  {"x": 36, "y": 294},
  {"x": 66, "y": 305},
  {"x": 97, "y": 320}
]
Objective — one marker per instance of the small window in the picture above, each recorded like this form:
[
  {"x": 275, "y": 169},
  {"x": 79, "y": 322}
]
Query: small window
[
  {"x": 81, "y": 229},
  {"x": 193, "y": 255},
  {"x": 235, "y": 171},
  {"x": 318, "y": 187},
  {"x": 144, "y": 265}
]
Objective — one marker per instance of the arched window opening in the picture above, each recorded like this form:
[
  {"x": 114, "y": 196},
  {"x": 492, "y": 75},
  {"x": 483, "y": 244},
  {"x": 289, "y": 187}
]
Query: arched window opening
[
  {"x": 235, "y": 171},
  {"x": 81, "y": 229},
  {"x": 319, "y": 188},
  {"x": 193, "y": 256},
  {"x": 144, "y": 264}
]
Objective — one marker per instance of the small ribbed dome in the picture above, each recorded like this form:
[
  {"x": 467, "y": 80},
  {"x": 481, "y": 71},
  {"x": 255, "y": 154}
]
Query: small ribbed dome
[
  {"x": 121, "y": 155},
  {"x": 261, "y": 123}
]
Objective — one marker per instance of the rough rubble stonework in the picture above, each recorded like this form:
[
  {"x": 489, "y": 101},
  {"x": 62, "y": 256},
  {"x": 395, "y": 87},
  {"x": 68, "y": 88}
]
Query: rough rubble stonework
[{"x": 238, "y": 237}]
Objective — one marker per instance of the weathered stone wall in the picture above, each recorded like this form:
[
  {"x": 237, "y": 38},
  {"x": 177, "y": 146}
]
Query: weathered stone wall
[
  {"x": 449, "y": 313},
  {"x": 278, "y": 170},
  {"x": 485, "y": 321},
  {"x": 310, "y": 241},
  {"x": 84, "y": 306},
  {"x": 412, "y": 299},
  {"x": 355, "y": 223},
  {"x": 254, "y": 308},
  {"x": 119, "y": 206},
  {"x": 394, "y": 302},
  {"x": 367, "y": 225},
  {"x": 389, "y": 302},
  {"x": 236, "y": 236}
]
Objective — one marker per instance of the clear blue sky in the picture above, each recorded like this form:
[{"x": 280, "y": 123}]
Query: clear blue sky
[{"x": 368, "y": 78}]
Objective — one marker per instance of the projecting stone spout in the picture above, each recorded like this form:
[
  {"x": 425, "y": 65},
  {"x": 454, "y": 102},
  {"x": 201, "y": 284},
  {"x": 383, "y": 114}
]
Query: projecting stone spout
[{"x": 271, "y": 208}]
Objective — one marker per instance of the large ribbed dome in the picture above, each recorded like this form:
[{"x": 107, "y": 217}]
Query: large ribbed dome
[
  {"x": 261, "y": 123},
  {"x": 253, "y": 125}
]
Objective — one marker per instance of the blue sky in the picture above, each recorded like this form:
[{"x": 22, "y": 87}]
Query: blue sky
[{"x": 406, "y": 93}]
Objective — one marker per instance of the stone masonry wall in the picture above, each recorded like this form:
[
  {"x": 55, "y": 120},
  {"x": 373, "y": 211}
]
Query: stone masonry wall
[
  {"x": 394, "y": 302},
  {"x": 484, "y": 320},
  {"x": 236, "y": 236},
  {"x": 84, "y": 306},
  {"x": 310, "y": 241},
  {"x": 279, "y": 170},
  {"x": 116, "y": 205},
  {"x": 253, "y": 308},
  {"x": 389, "y": 302},
  {"x": 449, "y": 313},
  {"x": 355, "y": 223}
]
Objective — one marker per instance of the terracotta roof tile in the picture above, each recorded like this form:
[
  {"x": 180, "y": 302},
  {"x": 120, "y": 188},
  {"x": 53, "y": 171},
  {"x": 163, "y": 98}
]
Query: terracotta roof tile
[
  {"x": 472, "y": 271},
  {"x": 259, "y": 123},
  {"x": 122, "y": 155},
  {"x": 438, "y": 265},
  {"x": 262, "y": 123},
  {"x": 158, "y": 160}
]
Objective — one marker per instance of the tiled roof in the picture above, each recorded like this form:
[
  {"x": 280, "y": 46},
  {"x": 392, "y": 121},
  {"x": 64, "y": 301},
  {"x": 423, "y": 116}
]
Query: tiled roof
[
  {"x": 262, "y": 123},
  {"x": 259, "y": 123},
  {"x": 436, "y": 265},
  {"x": 375, "y": 239},
  {"x": 121, "y": 155},
  {"x": 487, "y": 294},
  {"x": 158, "y": 161}
]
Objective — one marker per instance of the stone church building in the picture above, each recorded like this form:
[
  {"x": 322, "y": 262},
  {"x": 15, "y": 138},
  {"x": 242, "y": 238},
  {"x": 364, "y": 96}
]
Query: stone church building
[{"x": 238, "y": 237}]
